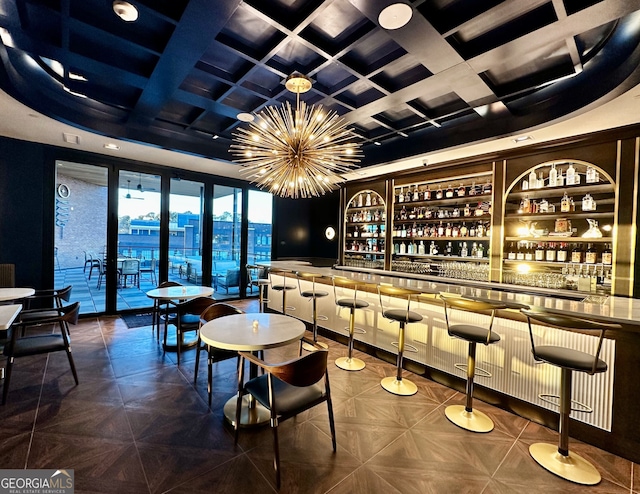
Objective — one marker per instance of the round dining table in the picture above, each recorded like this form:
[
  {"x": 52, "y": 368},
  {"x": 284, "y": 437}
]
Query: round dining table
[
  {"x": 250, "y": 333},
  {"x": 15, "y": 293},
  {"x": 178, "y": 294}
]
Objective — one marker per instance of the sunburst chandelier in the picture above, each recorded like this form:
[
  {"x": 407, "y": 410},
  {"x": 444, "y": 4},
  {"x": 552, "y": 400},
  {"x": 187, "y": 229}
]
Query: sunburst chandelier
[{"x": 296, "y": 153}]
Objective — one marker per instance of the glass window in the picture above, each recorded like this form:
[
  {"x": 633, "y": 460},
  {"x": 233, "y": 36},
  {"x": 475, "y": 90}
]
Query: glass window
[
  {"x": 227, "y": 216},
  {"x": 185, "y": 231}
]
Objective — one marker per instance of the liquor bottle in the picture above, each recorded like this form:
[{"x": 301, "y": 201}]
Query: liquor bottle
[
  {"x": 455, "y": 231},
  {"x": 592, "y": 176},
  {"x": 439, "y": 192},
  {"x": 462, "y": 190},
  {"x": 464, "y": 231},
  {"x": 440, "y": 230},
  {"x": 487, "y": 187},
  {"x": 467, "y": 210},
  {"x": 550, "y": 253},
  {"x": 396, "y": 248},
  {"x": 525, "y": 205},
  {"x": 449, "y": 193},
  {"x": 577, "y": 255},
  {"x": 456, "y": 213},
  {"x": 447, "y": 230},
  {"x": 529, "y": 252},
  {"x": 474, "y": 250},
  {"x": 525, "y": 184},
  {"x": 588, "y": 204},
  {"x": 520, "y": 251},
  {"x": 412, "y": 248},
  {"x": 479, "y": 211},
  {"x": 553, "y": 176},
  {"x": 403, "y": 213},
  {"x": 511, "y": 253},
  {"x": 571, "y": 175},
  {"x": 355, "y": 232},
  {"x": 473, "y": 190},
  {"x": 561, "y": 254},
  {"x": 367, "y": 201},
  {"x": 480, "y": 230},
  {"x": 426, "y": 195},
  {"x": 403, "y": 232},
  {"x": 464, "y": 251},
  {"x": 412, "y": 214},
  {"x": 420, "y": 232},
  {"x": 414, "y": 230},
  {"x": 565, "y": 203},
  {"x": 533, "y": 180},
  {"x": 420, "y": 213},
  {"x": 421, "y": 248},
  {"x": 480, "y": 251},
  {"x": 607, "y": 256},
  {"x": 561, "y": 178},
  {"x": 407, "y": 195},
  {"x": 360, "y": 200},
  {"x": 416, "y": 194},
  {"x": 540, "y": 180},
  {"x": 472, "y": 230},
  {"x": 539, "y": 254},
  {"x": 590, "y": 255},
  {"x": 403, "y": 248},
  {"x": 374, "y": 200},
  {"x": 401, "y": 195},
  {"x": 448, "y": 251}
]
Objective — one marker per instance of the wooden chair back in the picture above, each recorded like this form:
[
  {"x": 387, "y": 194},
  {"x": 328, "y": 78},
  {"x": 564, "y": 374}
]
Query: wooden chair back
[{"x": 302, "y": 371}]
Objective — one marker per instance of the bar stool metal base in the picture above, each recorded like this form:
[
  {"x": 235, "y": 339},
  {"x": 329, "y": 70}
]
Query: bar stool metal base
[
  {"x": 573, "y": 467},
  {"x": 311, "y": 348},
  {"x": 474, "y": 421},
  {"x": 401, "y": 387},
  {"x": 350, "y": 364}
]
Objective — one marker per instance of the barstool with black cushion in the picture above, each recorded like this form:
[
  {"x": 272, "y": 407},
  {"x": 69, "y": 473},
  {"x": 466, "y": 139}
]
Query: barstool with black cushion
[
  {"x": 313, "y": 295},
  {"x": 557, "y": 459},
  {"x": 255, "y": 275},
  {"x": 352, "y": 303},
  {"x": 283, "y": 287},
  {"x": 465, "y": 416},
  {"x": 397, "y": 385}
]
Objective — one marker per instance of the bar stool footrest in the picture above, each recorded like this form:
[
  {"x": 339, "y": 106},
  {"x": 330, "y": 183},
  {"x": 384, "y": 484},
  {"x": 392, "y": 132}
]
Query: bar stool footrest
[
  {"x": 407, "y": 347},
  {"x": 480, "y": 372},
  {"x": 474, "y": 421},
  {"x": 555, "y": 400},
  {"x": 322, "y": 318},
  {"x": 572, "y": 467},
  {"x": 355, "y": 330}
]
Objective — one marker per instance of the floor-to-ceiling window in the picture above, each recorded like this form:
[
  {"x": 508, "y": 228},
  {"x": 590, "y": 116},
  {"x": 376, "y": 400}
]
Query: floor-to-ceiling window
[
  {"x": 226, "y": 243},
  {"x": 81, "y": 232},
  {"x": 138, "y": 238},
  {"x": 259, "y": 213},
  {"x": 186, "y": 206}
]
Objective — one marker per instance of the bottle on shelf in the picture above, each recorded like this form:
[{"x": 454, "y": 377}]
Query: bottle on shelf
[
  {"x": 480, "y": 251},
  {"x": 464, "y": 231},
  {"x": 421, "y": 249},
  {"x": 533, "y": 180},
  {"x": 416, "y": 194},
  {"x": 464, "y": 251},
  {"x": 571, "y": 175},
  {"x": 550, "y": 252},
  {"x": 565, "y": 203},
  {"x": 561, "y": 178},
  {"x": 448, "y": 230},
  {"x": 577, "y": 256},
  {"x": 588, "y": 203},
  {"x": 511, "y": 252},
  {"x": 520, "y": 251},
  {"x": 400, "y": 197},
  {"x": 462, "y": 190},
  {"x": 525, "y": 184},
  {"x": 592, "y": 175},
  {"x": 467, "y": 211},
  {"x": 487, "y": 187},
  {"x": 473, "y": 190},
  {"x": 403, "y": 232},
  {"x": 367, "y": 201},
  {"x": 440, "y": 230},
  {"x": 448, "y": 251},
  {"x": 439, "y": 192},
  {"x": 455, "y": 231},
  {"x": 528, "y": 252},
  {"x": 360, "y": 200},
  {"x": 403, "y": 213},
  {"x": 407, "y": 195},
  {"x": 607, "y": 256},
  {"x": 403, "y": 248},
  {"x": 433, "y": 249},
  {"x": 540, "y": 180},
  {"x": 553, "y": 176},
  {"x": 426, "y": 195},
  {"x": 590, "y": 255},
  {"x": 539, "y": 254},
  {"x": 449, "y": 193},
  {"x": 396, "y": 248},
  {"x": 561, "y": 253},
  {"x": 374, "y": 200}
]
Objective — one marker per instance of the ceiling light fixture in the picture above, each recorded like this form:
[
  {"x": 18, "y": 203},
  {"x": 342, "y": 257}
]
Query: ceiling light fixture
[
  {"x": 522, "y": 138},
  {"x": 245, "y": 117},
  {"x": 296, "y": 152},
  {"x": 395, "y": 16},
  {"x": 125, "y": 11},
  {"x": 112, "y": 146}
]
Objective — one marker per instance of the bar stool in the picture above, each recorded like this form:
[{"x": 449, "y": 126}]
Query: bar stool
[
  {"x": 558, "y": 460},
  {"x": 313, "y": 295},
  {"x": 465, "y": 416},
  {"x": 261, "y": 283},
  {"x": 282, "y": 287},
  {"x": 397, "y": 385},
  {"x": 349, "y": 362}
]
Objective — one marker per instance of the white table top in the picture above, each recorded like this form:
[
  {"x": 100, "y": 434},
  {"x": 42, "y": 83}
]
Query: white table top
[
  {"x": 237, "y": 331},
  {"x": 8, "y": 313},
  {"x": 180, "y": 292},
  {"x": 15, "y": 293}
]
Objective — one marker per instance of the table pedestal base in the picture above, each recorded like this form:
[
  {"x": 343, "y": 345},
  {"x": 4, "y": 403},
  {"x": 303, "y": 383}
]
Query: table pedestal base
[{"x": 251, "y": 415}]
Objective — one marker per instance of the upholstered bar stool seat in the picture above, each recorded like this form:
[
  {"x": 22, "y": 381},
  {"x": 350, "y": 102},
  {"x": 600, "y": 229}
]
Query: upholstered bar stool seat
[
  {"x": 397, "y": 385},
  {"x": 314, "y": 294},
  {"x": 558, "y": 459},
  {"x": 465, "y": 416},
  {"x": 340, "y": 283},
  {"x": 283, "y": 287}
]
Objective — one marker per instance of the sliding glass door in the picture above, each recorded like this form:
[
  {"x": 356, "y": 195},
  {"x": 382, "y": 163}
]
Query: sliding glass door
[{"x": 226, "y": 245}]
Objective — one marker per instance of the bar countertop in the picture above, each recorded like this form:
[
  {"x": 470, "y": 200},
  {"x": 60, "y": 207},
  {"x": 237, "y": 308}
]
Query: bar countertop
[{"x": 604, "y": 308}]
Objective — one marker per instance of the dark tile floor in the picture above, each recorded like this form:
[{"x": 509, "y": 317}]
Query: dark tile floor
[{"x": 137, "y": 424}]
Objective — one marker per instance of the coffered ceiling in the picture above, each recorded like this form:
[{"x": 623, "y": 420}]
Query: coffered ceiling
[{"x": 460, "y": 71}]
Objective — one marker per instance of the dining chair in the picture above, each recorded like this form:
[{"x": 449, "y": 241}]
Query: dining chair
[
  {"x": 188, "y": 319},
  {"x": 51, "y": 299},
  {"x": 130, "y": 267},
  {"x": 149, "y": 267},
  {"x": 160, "y": 306},
  {"x": 25, "y": 346},
  {"x": 213, "y": 354},
  {"x": 287, "y": 389}
]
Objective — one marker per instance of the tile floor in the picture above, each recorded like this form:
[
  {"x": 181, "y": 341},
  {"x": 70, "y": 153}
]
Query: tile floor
[{"x": 137, "y": 424}]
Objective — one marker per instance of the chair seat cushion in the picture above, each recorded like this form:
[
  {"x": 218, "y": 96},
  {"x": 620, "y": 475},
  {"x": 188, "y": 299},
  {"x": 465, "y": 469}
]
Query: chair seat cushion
[
  {"x": 311, "y": 293},
  {"x": 352, "y": 304},
  {"x": 279, "y": 288},
  {"x": 473, "y": 333},
  {"x": 35, "y": 345},
  {"x": 288, "y": 398},
  {"x": 402, "y": 315},
  {"x": 569, "y": 358},
  {"x": 190, "y": 321},
  {"x": 41, "y": 314}
]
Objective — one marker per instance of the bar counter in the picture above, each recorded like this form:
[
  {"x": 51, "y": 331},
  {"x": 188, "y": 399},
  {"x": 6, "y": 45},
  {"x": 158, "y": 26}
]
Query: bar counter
[{"x": 516, "y": 379}]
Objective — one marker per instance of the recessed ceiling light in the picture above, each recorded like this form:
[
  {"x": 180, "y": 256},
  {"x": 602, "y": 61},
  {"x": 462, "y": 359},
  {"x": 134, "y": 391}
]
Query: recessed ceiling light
[
  {"x": 112, "y": 146},
  {"x": 395, "y": 16},
  {"x": 522, "y": 138},
  {"x": 125, "y": 11},
  {"x": 246, "y": 117},
  {"x": 377, "y": 143},
  {"x": 215, "y": 136}
]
